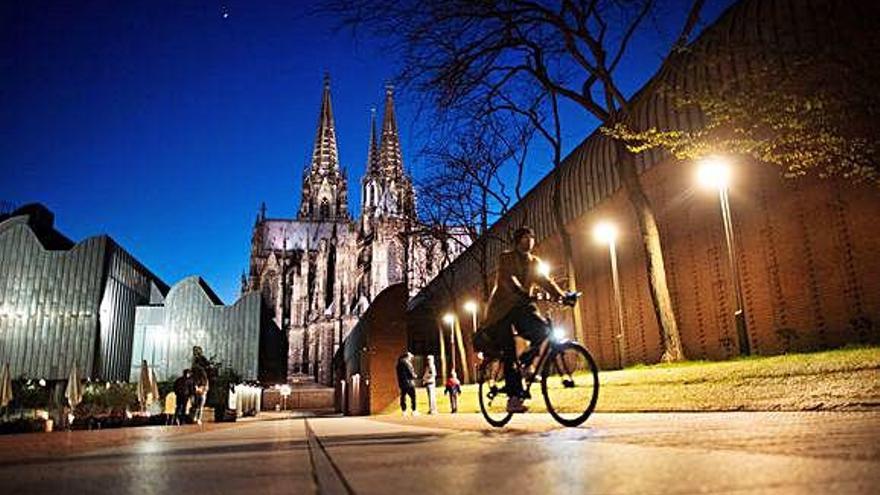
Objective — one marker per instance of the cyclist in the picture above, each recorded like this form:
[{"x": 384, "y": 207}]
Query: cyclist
[{"x": 512, "y": 303}]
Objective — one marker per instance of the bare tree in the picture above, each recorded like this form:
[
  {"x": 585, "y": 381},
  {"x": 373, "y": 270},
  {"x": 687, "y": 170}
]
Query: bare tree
[
  {"x": 571, "y": 49},
  {"x": 467, "y": 183}
]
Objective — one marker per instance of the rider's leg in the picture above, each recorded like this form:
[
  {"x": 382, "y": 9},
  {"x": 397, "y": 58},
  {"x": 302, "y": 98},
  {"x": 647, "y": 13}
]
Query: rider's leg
[
  {"x": 531, "y": 326},
  {"x": 512, "y": 377}
]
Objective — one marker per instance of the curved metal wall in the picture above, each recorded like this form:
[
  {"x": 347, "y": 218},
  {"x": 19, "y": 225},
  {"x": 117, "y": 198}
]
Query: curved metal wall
[
  {"x": 60, "y": 307},
  {"x": 165, "y": 335},
  {"x": 589, "y": 174},
  {"x": 48, "y": 303}
]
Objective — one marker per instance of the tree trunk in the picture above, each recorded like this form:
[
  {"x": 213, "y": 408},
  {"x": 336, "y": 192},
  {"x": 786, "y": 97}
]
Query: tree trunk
[
  {"x": 567, "y": 252},
  {"x": 465, "y": 365},
  {"x": 670, "y": 340}
]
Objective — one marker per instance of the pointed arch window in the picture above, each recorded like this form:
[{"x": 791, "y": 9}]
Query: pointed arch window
[{"x": 325, "y": 208}]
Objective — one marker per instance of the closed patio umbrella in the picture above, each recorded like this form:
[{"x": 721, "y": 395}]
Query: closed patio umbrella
[
  {"x": 148, "y": 388},
  {"x": 74, "y": 391},
  {"x": 5, "y": 386}
]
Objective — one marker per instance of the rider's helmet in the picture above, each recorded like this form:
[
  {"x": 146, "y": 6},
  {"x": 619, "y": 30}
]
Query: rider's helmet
[{"x": 522, "y": 232}]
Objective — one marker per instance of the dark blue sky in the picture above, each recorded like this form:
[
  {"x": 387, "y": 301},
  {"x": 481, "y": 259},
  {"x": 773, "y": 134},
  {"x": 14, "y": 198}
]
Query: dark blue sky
[{"x": 165, "y": 124}]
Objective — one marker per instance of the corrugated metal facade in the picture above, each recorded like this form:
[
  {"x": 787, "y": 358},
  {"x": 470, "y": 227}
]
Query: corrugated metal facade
[
  {"x": 60, "y": 307},
  {"x": 192, "y": 316}
]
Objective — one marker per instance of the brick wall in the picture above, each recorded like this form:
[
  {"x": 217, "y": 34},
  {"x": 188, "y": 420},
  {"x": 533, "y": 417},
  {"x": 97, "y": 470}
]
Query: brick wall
[{"x": 807, "y": 252}]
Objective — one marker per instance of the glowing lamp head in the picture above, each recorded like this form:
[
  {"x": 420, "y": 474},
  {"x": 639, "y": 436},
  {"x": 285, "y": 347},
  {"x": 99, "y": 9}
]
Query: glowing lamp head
[
  {"x": 605, "y": 232},
  {"x": 449, "y": 318},
  {"x": 543, "y": 269},
  {"x": 470, "y": 307},
  {"x": 558, "y": 333},
  {"x": 713, "y": 173}
]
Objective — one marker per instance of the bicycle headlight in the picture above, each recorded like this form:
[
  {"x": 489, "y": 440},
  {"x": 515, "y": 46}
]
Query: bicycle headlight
[{"x": 558, "y": 333}]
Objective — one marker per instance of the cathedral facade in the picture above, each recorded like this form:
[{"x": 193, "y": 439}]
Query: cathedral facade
[{"x": 319, "y": 271}]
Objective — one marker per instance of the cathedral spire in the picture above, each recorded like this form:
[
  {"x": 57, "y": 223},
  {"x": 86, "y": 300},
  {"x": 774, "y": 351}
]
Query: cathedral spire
[
  {"x": 373, "y": 151},
  {"x": 325, "y": 157},
  {"x": 324, "y": 196},
  {"x": 389, "y": 153}
]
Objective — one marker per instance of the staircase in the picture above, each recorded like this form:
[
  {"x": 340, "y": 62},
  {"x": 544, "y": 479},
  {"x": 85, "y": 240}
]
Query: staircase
[{"x": 305, "y": 395}]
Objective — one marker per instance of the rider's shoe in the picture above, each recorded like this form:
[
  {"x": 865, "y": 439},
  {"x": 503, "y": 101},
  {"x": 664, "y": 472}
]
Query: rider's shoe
[
  {"x": 529, "y": 372},
  {"x": 515, "y": 405}
]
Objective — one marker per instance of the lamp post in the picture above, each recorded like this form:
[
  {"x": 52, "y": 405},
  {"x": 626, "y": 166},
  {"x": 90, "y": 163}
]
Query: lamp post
[
  {"x": 714, "y": 173},
  {"x": 449, "y": 319},
  {"x": 605, "y": 233},
  {"x": 471, "y": 307}
]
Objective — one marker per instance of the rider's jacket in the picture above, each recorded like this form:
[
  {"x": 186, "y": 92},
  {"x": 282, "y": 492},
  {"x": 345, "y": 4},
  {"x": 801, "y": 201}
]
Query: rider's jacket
[{"x": 518, "y": 274}]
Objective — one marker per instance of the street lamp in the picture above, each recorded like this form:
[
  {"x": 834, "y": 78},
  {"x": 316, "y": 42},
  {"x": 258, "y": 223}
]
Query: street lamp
[
  {"x": 605, "y": 233},
  {"x": 472, "y": 307},
  {"x": 714, "y": 173},
  {"x": 285, "y": 393},
  {"x": 449, "y": 319}
]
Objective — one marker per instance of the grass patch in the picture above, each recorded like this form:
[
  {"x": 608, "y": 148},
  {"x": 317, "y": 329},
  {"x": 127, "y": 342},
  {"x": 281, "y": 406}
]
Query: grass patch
[{"x": 841, "y": 379}]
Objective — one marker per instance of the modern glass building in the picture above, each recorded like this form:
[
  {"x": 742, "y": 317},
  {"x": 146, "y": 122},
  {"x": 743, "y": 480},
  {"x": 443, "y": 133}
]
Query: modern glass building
[
  {"x": 241, "y": 336},
  {"x": 64, "y": 303}
]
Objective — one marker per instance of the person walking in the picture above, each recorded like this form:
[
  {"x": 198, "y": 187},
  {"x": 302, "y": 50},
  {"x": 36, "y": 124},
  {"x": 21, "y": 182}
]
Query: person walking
[
  {"x": 453, "y": 389},
  {"x": 406, "y": 381},
  {"x": 429, "y": 380},
  {"x": 183, "y": 387}
]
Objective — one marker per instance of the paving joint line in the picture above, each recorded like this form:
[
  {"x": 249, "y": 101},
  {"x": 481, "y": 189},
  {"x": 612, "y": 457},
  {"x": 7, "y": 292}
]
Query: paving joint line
[{"x": 327, "y": 476}]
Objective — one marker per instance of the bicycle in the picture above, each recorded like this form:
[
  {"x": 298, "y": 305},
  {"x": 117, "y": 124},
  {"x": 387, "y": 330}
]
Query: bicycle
[{"x": 569, "y": 382}]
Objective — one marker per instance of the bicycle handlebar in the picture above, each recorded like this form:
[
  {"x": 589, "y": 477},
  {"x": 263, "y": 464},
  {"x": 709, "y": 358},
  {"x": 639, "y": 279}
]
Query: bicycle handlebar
[{"x": 568, "y": 296}]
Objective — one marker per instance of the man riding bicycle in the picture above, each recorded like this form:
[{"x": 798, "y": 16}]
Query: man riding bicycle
[{"x": 512, "y": 303}]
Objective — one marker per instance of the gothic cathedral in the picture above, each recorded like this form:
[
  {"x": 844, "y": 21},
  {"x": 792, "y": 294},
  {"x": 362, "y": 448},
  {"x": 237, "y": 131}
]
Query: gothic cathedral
[{"x": 319, "y": 271}]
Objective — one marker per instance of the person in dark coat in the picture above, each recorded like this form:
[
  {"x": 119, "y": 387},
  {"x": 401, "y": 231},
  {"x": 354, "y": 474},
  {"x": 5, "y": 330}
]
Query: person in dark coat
[
  {"x": 183, "y": 387},
  {"x": 406, "y": 381},
  {"x": 199, "y": 392}
]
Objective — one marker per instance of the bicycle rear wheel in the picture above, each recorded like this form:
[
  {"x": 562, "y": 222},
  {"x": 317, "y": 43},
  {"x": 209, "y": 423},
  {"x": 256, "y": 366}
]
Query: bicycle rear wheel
[
  {"x": 493, "y": 399},
  {"x": 570, "y": 384}
]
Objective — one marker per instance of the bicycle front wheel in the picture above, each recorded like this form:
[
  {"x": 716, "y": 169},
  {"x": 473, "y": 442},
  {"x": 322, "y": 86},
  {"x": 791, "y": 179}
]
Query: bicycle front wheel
[
  {"x": 570, "y": 384},
  {"x": 493, "y": 397}
]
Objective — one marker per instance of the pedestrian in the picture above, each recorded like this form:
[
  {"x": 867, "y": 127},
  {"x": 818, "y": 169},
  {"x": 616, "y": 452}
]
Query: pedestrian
[
  {"x": 182, "y": 390},
  {"x": 406, "y": 381},
  {"x": 429, "y": 380},
  {"x": 453, "y": 389},
  {"x": 199, "y": 393}
]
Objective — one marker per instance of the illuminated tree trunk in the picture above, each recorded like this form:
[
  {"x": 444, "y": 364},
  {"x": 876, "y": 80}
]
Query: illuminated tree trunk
[{"x": 670, "y": 339}]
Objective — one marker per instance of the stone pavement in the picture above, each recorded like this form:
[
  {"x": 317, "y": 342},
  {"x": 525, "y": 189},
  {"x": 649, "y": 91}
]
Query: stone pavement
[{"x": 611, "y": 453}]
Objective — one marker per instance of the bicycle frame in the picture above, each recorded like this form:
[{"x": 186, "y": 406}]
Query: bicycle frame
[{"x": 546, "y": 350}]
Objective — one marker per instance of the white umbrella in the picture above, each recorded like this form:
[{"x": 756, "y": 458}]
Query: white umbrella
[
  {"x": 5, "y": 386},
  {"x": 74, "y": 391}
]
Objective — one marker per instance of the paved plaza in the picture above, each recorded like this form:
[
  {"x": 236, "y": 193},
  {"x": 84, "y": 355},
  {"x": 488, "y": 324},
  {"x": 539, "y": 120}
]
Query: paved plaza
[{"x": 612, "y": 453}]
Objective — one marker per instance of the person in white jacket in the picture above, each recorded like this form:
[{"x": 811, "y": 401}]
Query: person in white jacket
[{"x": 429, "y": 379}]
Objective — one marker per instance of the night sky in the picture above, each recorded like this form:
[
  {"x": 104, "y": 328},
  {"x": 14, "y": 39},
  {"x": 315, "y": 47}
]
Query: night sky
[{"x": 165, "y": 124}]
